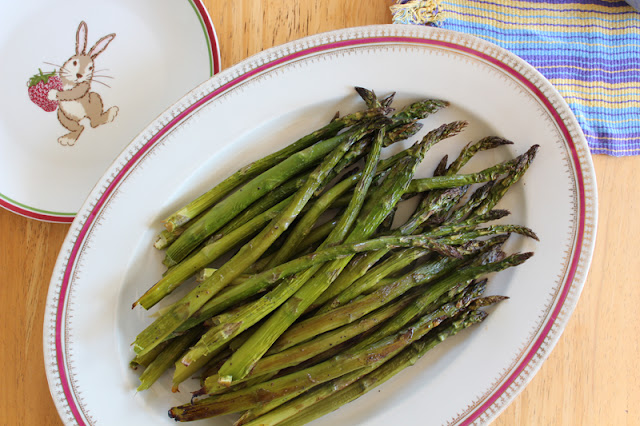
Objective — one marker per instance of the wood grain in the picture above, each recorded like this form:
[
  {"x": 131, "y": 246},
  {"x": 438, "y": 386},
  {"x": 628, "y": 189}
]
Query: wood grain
[{"x": 590, "y": 378}]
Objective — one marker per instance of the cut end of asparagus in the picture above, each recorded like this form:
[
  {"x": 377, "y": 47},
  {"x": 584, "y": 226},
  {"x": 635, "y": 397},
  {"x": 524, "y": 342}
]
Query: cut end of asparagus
[
  {"x": 225, "y": 380},
  {"x": 161, "y": 241},
  {"x": 171, "y": 223},
  {"x": 169, "y": 262}
]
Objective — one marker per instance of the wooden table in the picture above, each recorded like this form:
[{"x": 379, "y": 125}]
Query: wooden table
[{"x": 591, "y": 377}]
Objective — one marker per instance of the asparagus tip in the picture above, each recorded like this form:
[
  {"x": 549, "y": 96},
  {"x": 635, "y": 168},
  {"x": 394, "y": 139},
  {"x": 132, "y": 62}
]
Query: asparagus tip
[
  {"x": 498, "y": 214},
  {"x": 386, "y": 102},
  {"x": 495, "y": 141},
  {"x": 521, "y": 257},
  {"x": 486, "y": 301}
]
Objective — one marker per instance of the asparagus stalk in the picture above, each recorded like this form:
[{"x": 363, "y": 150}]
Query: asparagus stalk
[
  {"x": 441, "y": 168},
  {"x": 498, "y": 191},
  {"x": 303, "y": 227},
  {"x": 311, "y": 327},
  {"x": 373, "y": 213},
  {"x": 444, "y": 311},
  {"x": 258, "y": 282},
  {"x": 326, "y": 399},
  {"x": 363, "y": 263},
  {"x": 340, "y": 365},
  {"x": 167, "y": 358},
  {"x": 176, "y": 275},
  {"x": 452, "y": 181},
  {"x": 252, "y": 170},
  {"x": 308, "y": 350},
  {"x": 490, "y": 230},
  {"x": 248, "y": 254},
  {"x": 144, "y": 361},
  {"x": 336, "y": 236},
  {"x": 261, "y": 185},
  {"x": 478, "y": 196},
  {"x": 470, "y": 150},
  {"x": 165, "y": 238},
  {"x": 262, "y": 205}
]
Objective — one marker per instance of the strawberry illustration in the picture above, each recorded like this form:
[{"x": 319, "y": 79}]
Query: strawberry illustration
[{"x": 39, "y": 86}]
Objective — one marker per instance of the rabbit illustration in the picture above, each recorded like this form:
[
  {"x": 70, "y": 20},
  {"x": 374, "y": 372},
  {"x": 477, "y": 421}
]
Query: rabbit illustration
[{"x": 76, "y": 101}]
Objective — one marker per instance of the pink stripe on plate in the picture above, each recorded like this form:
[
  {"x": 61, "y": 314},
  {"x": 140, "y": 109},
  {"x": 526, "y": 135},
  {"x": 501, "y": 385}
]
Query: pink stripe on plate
[
  {"x": 66, "y": 385},
  {"x": 206, "y": 18},
  {"x": 35, "y": 215}
]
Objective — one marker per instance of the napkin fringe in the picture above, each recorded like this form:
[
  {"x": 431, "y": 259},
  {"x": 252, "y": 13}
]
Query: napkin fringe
[{"x": 417, "y": 12}]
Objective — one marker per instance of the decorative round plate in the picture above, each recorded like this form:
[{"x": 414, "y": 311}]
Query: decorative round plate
[
  {"x": 81, "y": 80},
  {"x": 268, "y": 101}
]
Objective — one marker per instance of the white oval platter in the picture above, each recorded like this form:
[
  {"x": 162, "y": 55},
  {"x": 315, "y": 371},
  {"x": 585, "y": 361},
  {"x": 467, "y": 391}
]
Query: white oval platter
[{"x": 270, "y": 100}]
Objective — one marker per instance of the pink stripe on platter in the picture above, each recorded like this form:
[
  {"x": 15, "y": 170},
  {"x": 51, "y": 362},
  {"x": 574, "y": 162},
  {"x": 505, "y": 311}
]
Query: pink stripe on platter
[
  {"x": 35, "y": 215},
  {"x": 66, "y": 385},
  {"x": 206, "y": 18}
]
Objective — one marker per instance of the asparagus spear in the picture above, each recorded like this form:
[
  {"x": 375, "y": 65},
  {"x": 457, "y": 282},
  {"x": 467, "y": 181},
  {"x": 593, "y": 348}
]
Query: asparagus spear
[
  {"x": 498, "y": 191},
  {"x": 224, "y": 211},
  {"x": 313, "y": 326},
  {"x": 176, "y": 275},
  {"x": 326, "y": 399},
  {"x": 335, "y": 237},
  {"x": 166, "y": 237},
  {"x": 441, "y": 167},
  {"x": 144, "y": 361},
  {"x": 340, "y": 365},
  {"x": 470, "y": 150},
  {"x": 373, "y": 213},
  {"x": 256, "y": 283},
  {"x": 249, "y": 253},
  {"x": 262, "y": 184},
  {"x": 206, "y": 200},
  {"x": 429, "y": 206},
  {"x": 167, "y": 358},
  {"x": 308, "y": 350},
  {"x": 315, "y": 395},
  {"x": 363, "y": 263},
  {"x": 452, "y": 181},
  {"x": 262, "y": 205},
  {"x": 490, "y": 230}
]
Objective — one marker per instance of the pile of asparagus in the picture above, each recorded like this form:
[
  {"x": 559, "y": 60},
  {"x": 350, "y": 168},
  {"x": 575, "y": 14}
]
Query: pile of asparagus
[{"x": 322, "y": 298}]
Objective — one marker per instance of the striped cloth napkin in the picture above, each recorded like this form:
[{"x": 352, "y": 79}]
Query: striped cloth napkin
[{"x": 590, "y": 51}]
